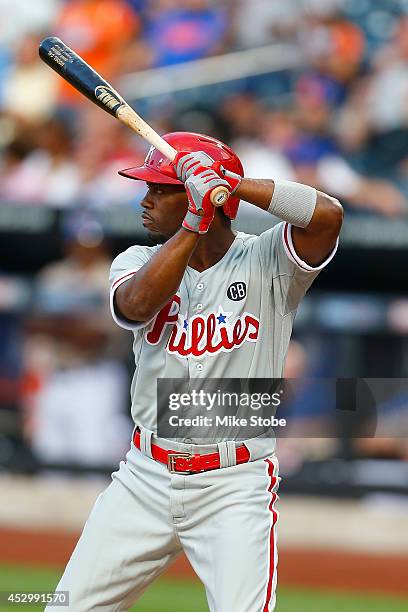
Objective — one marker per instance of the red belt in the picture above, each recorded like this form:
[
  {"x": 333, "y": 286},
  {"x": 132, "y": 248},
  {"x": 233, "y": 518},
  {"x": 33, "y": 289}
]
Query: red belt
[{"x": 186, "y": 463}]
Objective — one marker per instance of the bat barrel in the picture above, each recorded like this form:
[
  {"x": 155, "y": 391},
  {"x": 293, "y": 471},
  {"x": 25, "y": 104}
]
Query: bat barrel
[{"x": 79, "y": 74}]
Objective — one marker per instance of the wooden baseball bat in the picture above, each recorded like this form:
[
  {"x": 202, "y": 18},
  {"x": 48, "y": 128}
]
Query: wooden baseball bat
[{"x": 85, "y": 79}]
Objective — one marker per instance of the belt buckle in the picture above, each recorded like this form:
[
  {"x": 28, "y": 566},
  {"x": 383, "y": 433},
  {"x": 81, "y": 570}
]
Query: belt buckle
[{"x": 171, "y": 462}]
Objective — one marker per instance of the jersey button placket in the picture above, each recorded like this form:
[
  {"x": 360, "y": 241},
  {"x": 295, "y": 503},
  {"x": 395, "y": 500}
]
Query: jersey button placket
[{"x": 195, "y": 367}]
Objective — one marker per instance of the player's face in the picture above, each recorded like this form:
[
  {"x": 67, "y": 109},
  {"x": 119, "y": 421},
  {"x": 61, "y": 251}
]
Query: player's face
[{"x": 165, "y": 207}]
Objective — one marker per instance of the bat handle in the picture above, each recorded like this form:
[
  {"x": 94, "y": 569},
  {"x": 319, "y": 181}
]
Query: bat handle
[
  {"x": 129, "y": 117},
  {"x": 219, "y": 196}
]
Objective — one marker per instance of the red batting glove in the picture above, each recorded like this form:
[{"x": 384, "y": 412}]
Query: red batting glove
[
  {"x": 199, "y": 187},
  {"x": 234, "y": 180},
  {"x": 187, "y": 163},
  {"x": 194, "y": 169}
]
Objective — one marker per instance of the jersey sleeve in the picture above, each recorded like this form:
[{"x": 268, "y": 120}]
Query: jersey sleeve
[
  {"x": 123, "y": 267},
  {"x": 290, "y": 277}
]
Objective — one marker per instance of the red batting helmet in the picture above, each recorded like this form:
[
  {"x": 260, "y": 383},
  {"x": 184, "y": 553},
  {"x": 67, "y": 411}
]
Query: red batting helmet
[{"x": 158, "y": 169}]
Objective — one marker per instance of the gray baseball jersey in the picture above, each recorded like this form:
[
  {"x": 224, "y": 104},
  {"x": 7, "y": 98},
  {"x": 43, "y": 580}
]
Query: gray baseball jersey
[{"x": 233, "y": 320}]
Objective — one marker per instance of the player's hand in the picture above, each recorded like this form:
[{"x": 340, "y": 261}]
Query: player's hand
[
  {"x": 194, "y": 169},
  {"x": 199, "y": 187},
  {"x": 234, "y": 180},
  {"x": 187, "y": 163}
]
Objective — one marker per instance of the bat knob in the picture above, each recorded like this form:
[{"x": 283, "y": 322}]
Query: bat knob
[{"x": 219, "y": 196}]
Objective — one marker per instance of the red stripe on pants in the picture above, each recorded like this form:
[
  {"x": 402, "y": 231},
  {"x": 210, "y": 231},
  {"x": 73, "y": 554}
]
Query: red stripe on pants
[{"x": 272, "y": 541}]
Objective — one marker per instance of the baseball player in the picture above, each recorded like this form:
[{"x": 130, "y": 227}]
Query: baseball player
[{"x": 205, "y": 302}]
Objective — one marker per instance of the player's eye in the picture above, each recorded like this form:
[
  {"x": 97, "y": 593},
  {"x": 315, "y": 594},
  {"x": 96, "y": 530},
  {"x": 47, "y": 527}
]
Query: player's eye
[{"x": 155, "y": 189}]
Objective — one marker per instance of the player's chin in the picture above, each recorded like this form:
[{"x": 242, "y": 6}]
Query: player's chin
[
  {"x": 160, "y": 237},
  {"x": 157, "y": 237}
]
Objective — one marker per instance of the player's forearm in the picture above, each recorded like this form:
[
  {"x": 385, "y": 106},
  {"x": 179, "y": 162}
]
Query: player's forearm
[
  {"x": 287, "y": 200},
  {"x": 256, "y": 191},
  {"x": 154, "y": 285},
  {"x": 302, "y": 206},
  {"x": 316, "y": 216}
]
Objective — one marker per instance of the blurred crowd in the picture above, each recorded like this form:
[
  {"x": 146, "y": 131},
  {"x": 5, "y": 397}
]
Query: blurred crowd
[
  {"x": 338, "y": 122},
  {"x": 73, "y": 362}
]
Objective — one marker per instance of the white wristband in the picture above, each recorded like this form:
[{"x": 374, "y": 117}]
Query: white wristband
[{"x": 293, "y": 202}]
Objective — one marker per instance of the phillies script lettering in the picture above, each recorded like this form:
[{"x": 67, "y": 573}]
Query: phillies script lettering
[{"x": 202, "y": 334}]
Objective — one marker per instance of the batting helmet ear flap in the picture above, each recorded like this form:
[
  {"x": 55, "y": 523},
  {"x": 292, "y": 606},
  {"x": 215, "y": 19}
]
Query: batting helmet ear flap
[{"x": 158, "y": 169}]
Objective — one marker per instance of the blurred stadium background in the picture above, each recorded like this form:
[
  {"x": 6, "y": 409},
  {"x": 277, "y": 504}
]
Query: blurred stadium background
[{"x": 307, "y": 90}]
